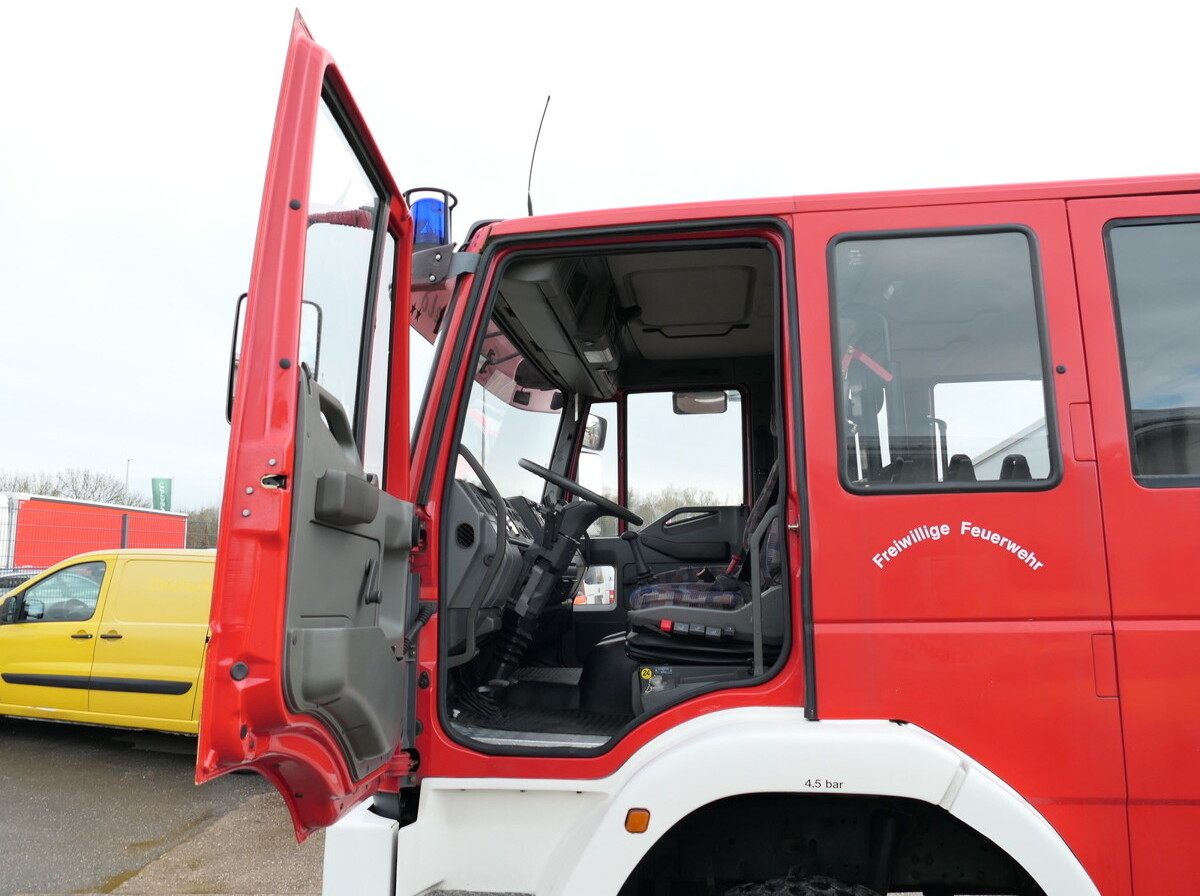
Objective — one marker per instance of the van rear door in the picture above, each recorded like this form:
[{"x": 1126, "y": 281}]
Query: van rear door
[{"x": 307, "y": 679}]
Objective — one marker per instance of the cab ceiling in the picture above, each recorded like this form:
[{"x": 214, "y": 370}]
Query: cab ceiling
[{"x": 586, "y": 321}]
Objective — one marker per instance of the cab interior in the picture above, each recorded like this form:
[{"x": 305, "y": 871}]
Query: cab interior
[{"x": 617, "y": 439}]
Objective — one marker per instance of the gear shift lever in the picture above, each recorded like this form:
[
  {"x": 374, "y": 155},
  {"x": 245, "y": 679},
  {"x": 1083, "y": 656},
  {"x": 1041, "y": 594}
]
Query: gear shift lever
[{"x": 641, "y": 567}]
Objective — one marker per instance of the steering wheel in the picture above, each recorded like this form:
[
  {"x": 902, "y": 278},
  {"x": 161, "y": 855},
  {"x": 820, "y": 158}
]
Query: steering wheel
[
  {"x": 74, "y": 609},
  {"x": 611, "y": 508}
]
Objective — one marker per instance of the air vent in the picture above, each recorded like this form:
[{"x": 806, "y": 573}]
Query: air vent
[{"x": 465, "y": 535}]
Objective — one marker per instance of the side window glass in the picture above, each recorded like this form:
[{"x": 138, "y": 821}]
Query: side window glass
[
  {"x": 70, "y": 594},
  {"x": 598, "y": 468},
  {"x": 430, "y": 305},
  {"x": 378, "y": 378},
  {"x": 599, "y": 472},
  {"x": 1156, "y": 279},
  {"x": 684, "y": 453},
  {"x": 340, "y": 324},
  {"x": 939, "y": 361}
]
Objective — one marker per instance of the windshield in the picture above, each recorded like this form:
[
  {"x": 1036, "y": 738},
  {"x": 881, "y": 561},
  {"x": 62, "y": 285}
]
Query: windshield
[{"x": 512, "y": 414}]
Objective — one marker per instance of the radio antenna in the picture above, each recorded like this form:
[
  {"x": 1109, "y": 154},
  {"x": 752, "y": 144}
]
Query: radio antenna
[{"x": 533, "y": 155}]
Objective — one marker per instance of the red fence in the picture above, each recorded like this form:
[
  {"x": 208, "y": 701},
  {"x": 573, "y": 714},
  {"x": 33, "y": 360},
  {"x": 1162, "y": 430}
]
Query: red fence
[{"x": 42, "y": 531}]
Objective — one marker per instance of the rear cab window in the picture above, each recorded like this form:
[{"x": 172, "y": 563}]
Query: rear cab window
[{"x": 940, "y": 364}]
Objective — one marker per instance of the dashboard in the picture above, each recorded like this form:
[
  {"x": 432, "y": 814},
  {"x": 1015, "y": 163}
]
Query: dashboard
[{"x": 486, "y": 558}]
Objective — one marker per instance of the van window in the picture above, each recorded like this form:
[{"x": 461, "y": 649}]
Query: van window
[
  {"x": 1156, "y": 281},
  {"x": 939, "y": 361},
  {"x": 69, "y": 594}
]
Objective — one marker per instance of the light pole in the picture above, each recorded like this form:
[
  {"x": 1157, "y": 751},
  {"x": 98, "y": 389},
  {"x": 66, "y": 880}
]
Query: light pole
[{"x": 128, "y": 461}]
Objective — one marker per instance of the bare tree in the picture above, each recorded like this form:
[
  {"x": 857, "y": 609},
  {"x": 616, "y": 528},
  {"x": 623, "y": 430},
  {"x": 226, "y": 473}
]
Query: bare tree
[
  {"x": 29, "y": 483},
  {"x": 202, "y": 527},
  {"x": 81, "y": 484},
  {"x": 91, "y": 485}
]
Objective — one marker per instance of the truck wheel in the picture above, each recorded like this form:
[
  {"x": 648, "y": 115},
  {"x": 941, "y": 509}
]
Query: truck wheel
[{"x": 802, "y": 885}]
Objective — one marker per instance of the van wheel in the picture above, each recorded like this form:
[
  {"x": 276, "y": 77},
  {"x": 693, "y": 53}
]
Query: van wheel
[{"x": 802, "y": 885}]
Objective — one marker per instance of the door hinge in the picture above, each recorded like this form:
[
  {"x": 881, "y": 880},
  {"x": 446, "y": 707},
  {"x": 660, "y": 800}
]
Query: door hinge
[{"x": 438, "y": 263}]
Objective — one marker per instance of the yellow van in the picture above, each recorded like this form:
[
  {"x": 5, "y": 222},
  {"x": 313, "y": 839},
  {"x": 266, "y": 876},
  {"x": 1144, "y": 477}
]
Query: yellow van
[{"x": 109, "y": 637}]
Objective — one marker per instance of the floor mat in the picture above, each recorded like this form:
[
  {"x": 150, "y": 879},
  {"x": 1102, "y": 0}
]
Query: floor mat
[{"x": 544, "y": 721}]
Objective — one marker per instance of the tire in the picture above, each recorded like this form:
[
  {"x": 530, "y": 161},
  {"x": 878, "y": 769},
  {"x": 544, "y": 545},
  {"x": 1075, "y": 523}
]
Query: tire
[{"x": 802, "y": 885}]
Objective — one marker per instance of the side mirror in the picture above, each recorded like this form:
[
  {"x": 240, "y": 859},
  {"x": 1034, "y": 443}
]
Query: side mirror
[
  {"x": 595, "y": 433},
  {"x": 235, "y": 357},
  {"x": 12, "y": 609},
  {"x": 310, "y": 345}
]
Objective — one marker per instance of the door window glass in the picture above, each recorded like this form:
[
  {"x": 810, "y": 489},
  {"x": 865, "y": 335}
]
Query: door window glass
[
  {"x": 69, "y": 594},
  {"x": 682, "y": 454},
  {"x": 343, "y": 206},
  {"x": 1156, "y": 277},
  {"x": 378, "y": 378},
  {"x": 939, "y": 361}
]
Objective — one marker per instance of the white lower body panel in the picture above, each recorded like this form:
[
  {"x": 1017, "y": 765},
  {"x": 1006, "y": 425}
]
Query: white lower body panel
[{"x": 567, "y": 837}]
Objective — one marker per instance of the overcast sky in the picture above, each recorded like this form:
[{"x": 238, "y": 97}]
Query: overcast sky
[{"x": 136, "y": 137}]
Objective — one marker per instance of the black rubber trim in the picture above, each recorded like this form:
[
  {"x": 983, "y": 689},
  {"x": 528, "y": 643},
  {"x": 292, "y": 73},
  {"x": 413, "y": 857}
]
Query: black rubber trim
[
  {"x": 792, "y": 303},
  {"x": 85, "y": 683},
  {"x": 141, "y": 686},
  {"x": 74, "y": 682}
]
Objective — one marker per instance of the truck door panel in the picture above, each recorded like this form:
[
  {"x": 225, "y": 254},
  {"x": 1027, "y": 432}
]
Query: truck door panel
[
  {"x": 307, "y": 677},
  {"x": 947, "y": 591},
  {"x": 1138, "y": 281}
]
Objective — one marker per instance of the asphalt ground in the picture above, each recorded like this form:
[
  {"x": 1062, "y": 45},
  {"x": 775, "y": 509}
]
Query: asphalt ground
[{"x": 104, "y": 810}]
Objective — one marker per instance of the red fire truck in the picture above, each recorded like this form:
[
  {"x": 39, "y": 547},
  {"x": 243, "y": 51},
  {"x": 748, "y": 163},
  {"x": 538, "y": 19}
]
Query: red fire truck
[{"x": 915, "y": 619}]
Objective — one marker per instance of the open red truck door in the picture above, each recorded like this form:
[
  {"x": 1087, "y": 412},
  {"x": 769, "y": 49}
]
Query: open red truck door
[{"x": 308, "y": 679}]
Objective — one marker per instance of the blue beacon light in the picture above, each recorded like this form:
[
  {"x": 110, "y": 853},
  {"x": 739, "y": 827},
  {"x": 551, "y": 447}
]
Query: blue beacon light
[{"x": 431, "y": 216}]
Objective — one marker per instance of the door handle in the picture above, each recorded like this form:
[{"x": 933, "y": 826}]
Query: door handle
[
  {"x": 111, "y": 636},
  {"x": 81, "y": 636}
]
